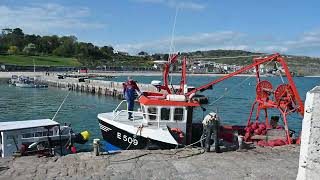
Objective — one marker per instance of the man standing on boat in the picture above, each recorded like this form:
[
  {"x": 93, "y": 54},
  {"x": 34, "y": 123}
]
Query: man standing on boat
[{"x": 129, "y": 89}]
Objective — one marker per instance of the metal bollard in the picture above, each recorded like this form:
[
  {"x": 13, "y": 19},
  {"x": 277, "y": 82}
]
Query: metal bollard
[
  {"x": 96, "y": 146},
  {"x": 240, "y": 142}
]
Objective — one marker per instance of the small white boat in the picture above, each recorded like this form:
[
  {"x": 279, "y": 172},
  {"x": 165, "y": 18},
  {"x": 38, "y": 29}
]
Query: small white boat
[
  {"x": 13, "y": 80},
  {"x": 27, "y": 82},
  {"x": 30, "y": 85},
  {"x": 36, "y": 136}
]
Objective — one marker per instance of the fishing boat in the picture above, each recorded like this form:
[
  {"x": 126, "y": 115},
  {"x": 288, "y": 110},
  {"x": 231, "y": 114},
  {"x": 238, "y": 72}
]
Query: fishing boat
[
  {"x": 165, "y": 119},
  {"x": 13, "y": 79},
  {"x": 37, "y": 136},
  {"x": 27, "y": 82}
]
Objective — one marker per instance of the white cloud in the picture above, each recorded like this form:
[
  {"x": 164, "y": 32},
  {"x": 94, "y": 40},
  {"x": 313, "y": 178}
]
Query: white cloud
[
  {"x": 46, "y": 18},
  {"x": 307, "y": 43},
  {"x": 200, "y": 41},
  {"x": 182, "y": 4},
  {"x": 268, "y": 48}
]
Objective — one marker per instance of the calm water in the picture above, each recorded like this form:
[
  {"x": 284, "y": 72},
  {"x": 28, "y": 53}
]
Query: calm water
[{"x": 81, "y": 109}]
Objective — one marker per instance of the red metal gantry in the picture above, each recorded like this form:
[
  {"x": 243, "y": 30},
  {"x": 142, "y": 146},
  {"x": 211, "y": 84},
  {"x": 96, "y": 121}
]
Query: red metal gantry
[{"x": 286, "y": 97}]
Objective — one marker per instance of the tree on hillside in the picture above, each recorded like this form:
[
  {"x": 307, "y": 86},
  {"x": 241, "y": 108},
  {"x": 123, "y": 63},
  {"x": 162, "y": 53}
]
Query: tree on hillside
[
  {"x": 6, "y": 31},
  {"x": 67, "y": 46},
  {"x": 165, "y": 57},
  {"x": 29, "y": 49},
  {"x": 33, "y": 39},
  {"x": 89, "y": 54},
  {"x": 48, "y": 44},
  {"x": 17, "y": 38},
  {"x": 3, "y": 46},
  {"x": 14, "y": 40},
  {"x": 156, "y": 56},
  {"x": 13, "y": 50},
  {"x": 107, "y": 52}
]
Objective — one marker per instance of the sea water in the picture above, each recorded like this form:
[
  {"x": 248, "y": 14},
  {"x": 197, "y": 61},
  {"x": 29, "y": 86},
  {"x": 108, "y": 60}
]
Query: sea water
[{"x": 235, "y": 95}]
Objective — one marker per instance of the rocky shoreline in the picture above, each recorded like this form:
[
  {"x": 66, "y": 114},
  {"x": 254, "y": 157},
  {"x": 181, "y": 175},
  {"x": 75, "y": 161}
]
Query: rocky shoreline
[{"x": 258, "y": 163}]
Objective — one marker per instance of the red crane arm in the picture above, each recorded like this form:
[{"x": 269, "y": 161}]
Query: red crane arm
[
  {"x": 256, "y": 63},
  {"x": 291, "y": 83},
  {"x": 246, "y": 68},
  {"x": 183, "y": 75},
  {"x": 171, "y": 60}
]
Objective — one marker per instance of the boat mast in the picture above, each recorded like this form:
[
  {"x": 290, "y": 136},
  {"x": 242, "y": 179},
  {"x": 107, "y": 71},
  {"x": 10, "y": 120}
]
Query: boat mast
[{"x": 34, "y": 65}]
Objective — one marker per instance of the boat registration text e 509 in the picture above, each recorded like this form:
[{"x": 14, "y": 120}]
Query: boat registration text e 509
[{"x": 126, "y": 138}]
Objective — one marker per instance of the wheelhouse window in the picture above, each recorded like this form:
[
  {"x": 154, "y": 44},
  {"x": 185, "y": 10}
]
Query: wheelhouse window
[
  {"x": 152, "y": 110},
  {"x": 178, "y": 114},
  {"x": 38, "y": 134},
  {"x": 27, "y": 135},
  {"x": 50, "y": 133},
  {"x": 165, "y": 114}
]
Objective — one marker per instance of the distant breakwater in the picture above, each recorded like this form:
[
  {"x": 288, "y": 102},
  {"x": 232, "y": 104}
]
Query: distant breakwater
[{"x": 98, "y": 87}]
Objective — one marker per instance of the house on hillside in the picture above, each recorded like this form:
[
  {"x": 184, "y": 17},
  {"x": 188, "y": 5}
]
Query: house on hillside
[{"x": 121, "y": 53}]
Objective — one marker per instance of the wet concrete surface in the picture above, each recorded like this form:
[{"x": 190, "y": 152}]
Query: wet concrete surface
[{"x": 258, "y": 163}]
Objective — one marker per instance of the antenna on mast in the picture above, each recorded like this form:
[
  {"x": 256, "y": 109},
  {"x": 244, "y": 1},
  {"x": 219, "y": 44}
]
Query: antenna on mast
[
  {"x": 172, "y": 48},
  {"x": 34, "y": 65}
]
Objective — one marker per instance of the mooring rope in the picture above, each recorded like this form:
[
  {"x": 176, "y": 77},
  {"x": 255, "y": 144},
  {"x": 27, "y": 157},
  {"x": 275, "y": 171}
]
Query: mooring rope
[
  {"x": 228, "y": 90},
  {"x": 61, "y": 105},
  {"x": 139, "y": 129},
  {"x": 234, "y": 57},
  {"x": 280, "y": 73}
]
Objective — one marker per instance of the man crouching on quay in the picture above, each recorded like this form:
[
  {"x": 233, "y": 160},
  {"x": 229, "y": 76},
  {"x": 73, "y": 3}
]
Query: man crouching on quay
[{"x": 129, "y": 89}]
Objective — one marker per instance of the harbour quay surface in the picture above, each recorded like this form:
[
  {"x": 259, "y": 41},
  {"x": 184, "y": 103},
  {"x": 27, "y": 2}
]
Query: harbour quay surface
[{"x": 259, "y": 163}]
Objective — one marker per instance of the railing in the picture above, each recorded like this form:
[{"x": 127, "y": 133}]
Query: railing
[
  {"x": 136, "y": 112},
  {"x": 119, "y": 105},
  {"x": 116, "y": 113},
  {"x": 115, "y": 110}
]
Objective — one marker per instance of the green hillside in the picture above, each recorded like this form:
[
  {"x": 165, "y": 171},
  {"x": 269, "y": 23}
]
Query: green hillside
[
  {"x": 302, "y": 65},
  {"x": 39, "y": 60}
]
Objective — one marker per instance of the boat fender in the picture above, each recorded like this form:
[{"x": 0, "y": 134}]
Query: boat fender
[
  {"x": 179, "y": 133},
  {"x": 272, "y": 143},
  {"x": 23, "y": 149},
  {"x": 73, "y": 149},
  {"x": 174, "y": 97},
  {"x": 82, "y": 138},
  {"x": 298, "y": 141},
  {"x": 85, "y": 135}
]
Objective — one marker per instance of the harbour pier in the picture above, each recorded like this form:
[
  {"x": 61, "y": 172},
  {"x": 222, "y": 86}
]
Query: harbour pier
[{"x": 99, "y": 87}]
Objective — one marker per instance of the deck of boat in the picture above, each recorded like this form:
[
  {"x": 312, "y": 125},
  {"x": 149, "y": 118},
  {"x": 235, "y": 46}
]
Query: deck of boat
[{"x": 137, "y": 120}]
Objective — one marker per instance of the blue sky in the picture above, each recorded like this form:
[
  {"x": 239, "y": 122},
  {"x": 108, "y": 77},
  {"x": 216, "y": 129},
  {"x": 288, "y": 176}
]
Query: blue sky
[{"x": 285, "y": 26}]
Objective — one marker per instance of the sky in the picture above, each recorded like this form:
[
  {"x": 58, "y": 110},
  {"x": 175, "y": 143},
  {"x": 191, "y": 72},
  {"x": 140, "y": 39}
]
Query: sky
[{"x": 285, "y": 26}]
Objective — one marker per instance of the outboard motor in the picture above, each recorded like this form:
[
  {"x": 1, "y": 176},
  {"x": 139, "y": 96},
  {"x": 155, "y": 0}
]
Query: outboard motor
[{"x": 211, "y": 127}]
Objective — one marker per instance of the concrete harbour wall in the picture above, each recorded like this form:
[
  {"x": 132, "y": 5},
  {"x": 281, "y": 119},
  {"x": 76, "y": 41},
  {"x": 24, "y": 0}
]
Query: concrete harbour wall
[
  {"x": 309, "y": 162},
  {"x": 99, "y": 87}
]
